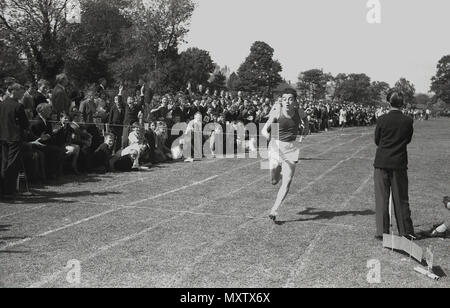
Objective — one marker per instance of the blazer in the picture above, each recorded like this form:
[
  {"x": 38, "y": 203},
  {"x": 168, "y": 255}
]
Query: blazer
[
  {"x": 13, "y": 121},
  {"x": 393, "y": 134},
  {"x": 39, "y": 127}
]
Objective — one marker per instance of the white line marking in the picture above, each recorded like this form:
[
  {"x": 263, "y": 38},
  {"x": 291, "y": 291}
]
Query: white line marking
[
  {"x": 187, "y": 166},
  {"x": 306, "y": 256},
  {"x": 123, "y": 206},
  {"x": 158, "y": 196},
  {"x": 233, "y": 234},
  {"x": 298, "y": 268},
  {"x": 52, "y": 277}
]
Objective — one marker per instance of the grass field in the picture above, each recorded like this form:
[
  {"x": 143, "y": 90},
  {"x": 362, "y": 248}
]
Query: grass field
[{"x": 205, "y": 224}]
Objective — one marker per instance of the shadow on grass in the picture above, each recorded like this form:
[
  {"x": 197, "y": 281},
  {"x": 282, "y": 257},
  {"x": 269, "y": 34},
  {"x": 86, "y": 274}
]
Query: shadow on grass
[
  {"x": 325, "y": 215},
  {"x": 13, "y": 252},
  {"x": 72, "y": 179},
  {"x": 38, "y": 197},
  {"x": 5, "y": 228}
]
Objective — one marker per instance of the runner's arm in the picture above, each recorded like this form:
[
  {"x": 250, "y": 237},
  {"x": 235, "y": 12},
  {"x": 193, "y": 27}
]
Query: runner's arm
[{"x": 274, "y": 114}]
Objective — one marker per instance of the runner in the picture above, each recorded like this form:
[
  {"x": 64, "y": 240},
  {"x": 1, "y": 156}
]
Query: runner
[{"x": 284, "y": 151}]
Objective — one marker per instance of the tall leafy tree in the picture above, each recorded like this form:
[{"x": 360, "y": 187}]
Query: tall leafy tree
[
  {"x": 354, "y": 88},
  {"x": 378, "y": 92},
  {"x": 260, "y": 72},
  {"x": 218, "y": 80},
  {"x": 312, "y": 84},
  {"x": 97, "y": 41},
  {"x": 196, "y": 66},
  {"x": 422, "y": 99},
  {"x": 408, "y": 89},
  {"x": 37, "y": 29},
  {"x": 440, "y": 83},
  {"x": 233, "y": 83},
  {"x": 151, "y": 44},
  {"x": 11, "y": 63}
]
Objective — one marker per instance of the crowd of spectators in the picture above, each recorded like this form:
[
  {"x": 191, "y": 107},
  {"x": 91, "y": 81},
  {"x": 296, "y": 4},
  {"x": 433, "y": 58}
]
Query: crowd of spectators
[{"x": 127, "y": 127}]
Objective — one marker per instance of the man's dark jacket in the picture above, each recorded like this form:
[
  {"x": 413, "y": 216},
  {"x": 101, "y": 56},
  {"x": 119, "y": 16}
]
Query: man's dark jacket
[
  {"x": 13, "y": 121},
  {"x": 393, "y": 134}
]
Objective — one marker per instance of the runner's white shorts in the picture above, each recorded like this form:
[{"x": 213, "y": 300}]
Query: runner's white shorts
[{"x": 280, "y": 152}]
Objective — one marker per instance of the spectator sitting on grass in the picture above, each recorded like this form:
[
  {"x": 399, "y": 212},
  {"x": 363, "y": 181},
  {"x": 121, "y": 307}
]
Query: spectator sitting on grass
[
  {"x": 442, "y": 229},
  {"x": 162, "y": 152},
  {"x": 137, "y": 144},
  {"x": 123, "y": 161},
  {"x": 103, "y": 154}
]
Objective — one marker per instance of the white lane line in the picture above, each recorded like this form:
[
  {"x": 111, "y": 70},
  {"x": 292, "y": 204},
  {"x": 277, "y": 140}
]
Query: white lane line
[
  {"x": 332, "y": 169},
  {"x": 54, "y": 276},
  {"x": 152, "y": 228},
  {"x": 305, "y": 258},
  {"x": 339, "y": 145},
  {"x": 210, "y": 250},
  {"x": 54, "y": 202},
  {"x": 206, "y": 214},
  {"x": 140, "y": 179},
  {"x": 121, "y": 207}
]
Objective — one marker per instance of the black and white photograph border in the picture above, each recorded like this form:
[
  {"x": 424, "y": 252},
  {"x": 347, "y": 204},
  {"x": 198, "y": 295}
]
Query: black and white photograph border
[{"x": 207, "y": 144}]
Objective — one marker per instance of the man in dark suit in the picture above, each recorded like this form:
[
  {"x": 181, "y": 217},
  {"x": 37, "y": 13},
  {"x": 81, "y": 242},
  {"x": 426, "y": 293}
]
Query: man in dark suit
[
  {"x": 393, "y": 134},
  {"x": 60, "y": 99},
  {"x": 13, "y": 122},
  {"x": 42, "y": 131}
]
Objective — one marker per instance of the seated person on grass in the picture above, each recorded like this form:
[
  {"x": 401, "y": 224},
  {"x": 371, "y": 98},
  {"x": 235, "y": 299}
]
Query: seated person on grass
[
  {"x": 442, "y": 229},
  {"x": 103, "y": 154},
  {"x": 123, "y": 161},
  {"x": 162, "y": 152}
]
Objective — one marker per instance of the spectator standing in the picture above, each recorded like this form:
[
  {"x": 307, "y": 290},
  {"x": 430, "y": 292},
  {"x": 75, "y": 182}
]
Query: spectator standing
[
  {"x": 393, "y": 133},
  {"x": 60, "y": 99},
  {"x": 13, "y": 123}
]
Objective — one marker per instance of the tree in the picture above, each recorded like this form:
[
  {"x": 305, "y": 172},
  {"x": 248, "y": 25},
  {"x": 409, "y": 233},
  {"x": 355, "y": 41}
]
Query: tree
[
  {"x": 422, "y": 100},
  {"x": 37, "y": 29},
  {"x": 161, "y": 25},
  {"x": 196, "y": 66},
  {"x": 354, "y": 88},
  {"x": 97, "y": 41},
  {"x": 378, "y": 92},
  {"x": 233, "y": 83},
  {"x": 11, "y": 64},
  {"x": 151, "y": 44},
  {"x": 440, "y": 84},
  {"x": 218, "y": 80},
  {"x": 260, "y": 72},
  {"x": 312, "y": 84},
  {"x": 408, "y": 89}
]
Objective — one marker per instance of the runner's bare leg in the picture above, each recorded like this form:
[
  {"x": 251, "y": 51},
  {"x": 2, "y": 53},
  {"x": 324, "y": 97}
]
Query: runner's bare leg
[{"x": 288, "y": 171}]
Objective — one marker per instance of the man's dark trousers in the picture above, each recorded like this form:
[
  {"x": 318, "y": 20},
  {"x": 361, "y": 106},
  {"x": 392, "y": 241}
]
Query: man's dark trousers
[
  {"x": 10, "y": 165},
  {"x": 387, "y": 180}
]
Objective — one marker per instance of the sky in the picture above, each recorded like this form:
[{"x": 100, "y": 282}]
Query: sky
[{"x": 332, "y": 35}]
